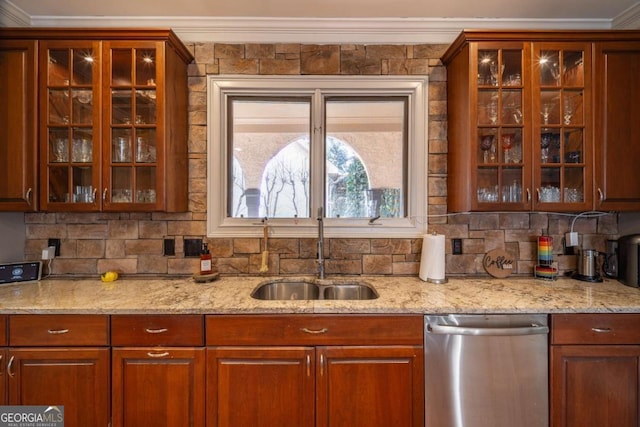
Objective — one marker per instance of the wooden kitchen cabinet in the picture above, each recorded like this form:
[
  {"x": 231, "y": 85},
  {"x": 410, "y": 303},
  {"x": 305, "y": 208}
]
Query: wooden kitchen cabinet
[
  {"x": 3, "y": 360},
  {"x": 617, "y": 71},
  {"x": 158, "y": 371},
  {"x": 61, "y": 360},
  {"x": 112, "y": 133},
  {"x": 519, "y": 122},
  {"x": 595, "y": 370},
  {"x": 315, "y": 370},
  {"x": 18, "y": 126},
  {"x": 521, "y": 130}
]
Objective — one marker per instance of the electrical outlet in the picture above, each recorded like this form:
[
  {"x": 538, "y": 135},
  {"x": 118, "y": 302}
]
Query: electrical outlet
[
  {"x": 571, "y": 238},
  {"x": 56, "y": 244},
  {"x": 169, "y": 247},
  {"x": 456, "y": 246},
  {"x": 192, "y": 247}
]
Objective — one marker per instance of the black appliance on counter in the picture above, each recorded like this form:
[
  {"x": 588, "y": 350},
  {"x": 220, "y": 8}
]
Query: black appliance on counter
[{"x": 629, "y": 260}]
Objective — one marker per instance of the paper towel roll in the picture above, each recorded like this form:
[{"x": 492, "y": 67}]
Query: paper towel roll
[{"x": 432, "y": 261}]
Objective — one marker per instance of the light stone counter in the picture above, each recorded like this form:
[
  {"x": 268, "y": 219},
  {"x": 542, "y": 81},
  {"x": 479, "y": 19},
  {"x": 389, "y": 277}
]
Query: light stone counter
[{"x": 231, "y": 295}]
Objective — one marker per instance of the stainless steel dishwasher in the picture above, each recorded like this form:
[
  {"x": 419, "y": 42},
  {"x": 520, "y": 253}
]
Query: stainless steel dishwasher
[{"x": 486, "y": 371}]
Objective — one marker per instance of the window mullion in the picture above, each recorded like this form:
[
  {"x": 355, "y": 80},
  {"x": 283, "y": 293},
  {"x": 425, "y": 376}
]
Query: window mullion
[{"x": 317, "y": 152}]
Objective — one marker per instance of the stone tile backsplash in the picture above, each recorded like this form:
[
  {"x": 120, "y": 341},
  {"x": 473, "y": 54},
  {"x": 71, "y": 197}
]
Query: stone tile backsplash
[{"x": 132, "y": 243}]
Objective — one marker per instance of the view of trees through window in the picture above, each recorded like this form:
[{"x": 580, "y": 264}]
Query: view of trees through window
[{"x": 271, "y": 168}]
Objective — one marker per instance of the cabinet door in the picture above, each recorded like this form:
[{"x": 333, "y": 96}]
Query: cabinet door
[
  {"x": 75, "y": 378},
  {"x": 594, "y": 386},
  {"x": 3, "y": 376},
  {"x": 18, "y": 142},
  {"x": 260, "y": 386},
  {"x": 500, "y": 147},
  {"x": 370, "y": 386},
  {"x": 133, "y": 178},
  {"x": 158, "y": 387},
  {"x": 617, "y": 126},
  {"x": 562, "y": 130}
]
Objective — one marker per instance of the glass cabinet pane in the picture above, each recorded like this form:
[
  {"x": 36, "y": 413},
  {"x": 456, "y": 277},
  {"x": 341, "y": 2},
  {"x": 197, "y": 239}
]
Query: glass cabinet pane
[
  {"x": 487, "y": 185},
  {"x": 488, "y": 68},
  {"x": 550, "y": 189},
  {"x": 69, "y": 132},
  {"x": 133, "y": 139},
  {"x": 550, "y": 68},
  {"x": 487, "y": 146},
  {"x": 145, "y": 67}
]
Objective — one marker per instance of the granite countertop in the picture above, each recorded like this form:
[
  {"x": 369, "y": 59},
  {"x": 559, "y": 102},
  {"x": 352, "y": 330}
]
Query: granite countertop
[{"x": 231, "y": 295}]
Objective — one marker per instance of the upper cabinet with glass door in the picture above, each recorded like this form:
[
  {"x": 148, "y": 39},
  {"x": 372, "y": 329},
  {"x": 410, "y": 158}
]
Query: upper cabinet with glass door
[
  {"x": 111, "y": 137},
  {"x": 132, "y": 177},
  {"x": 562, "y": 131},
  {"x": 500, "y": 144},
  {"x": 519, "y": 115},
  {"x": 70, "y": 125}
]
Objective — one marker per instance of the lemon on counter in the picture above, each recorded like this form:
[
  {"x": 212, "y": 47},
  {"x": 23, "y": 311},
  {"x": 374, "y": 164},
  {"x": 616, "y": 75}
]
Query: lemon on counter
[{"x": 109, "y": 276}]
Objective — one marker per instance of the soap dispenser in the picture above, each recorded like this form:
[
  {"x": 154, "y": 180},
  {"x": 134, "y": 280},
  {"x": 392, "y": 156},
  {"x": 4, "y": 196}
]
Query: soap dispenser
[{"x": 205, "y": 260}]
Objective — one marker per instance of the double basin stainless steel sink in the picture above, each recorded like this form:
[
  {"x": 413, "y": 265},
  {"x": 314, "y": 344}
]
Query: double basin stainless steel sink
[{"x": 313, "y": 289}]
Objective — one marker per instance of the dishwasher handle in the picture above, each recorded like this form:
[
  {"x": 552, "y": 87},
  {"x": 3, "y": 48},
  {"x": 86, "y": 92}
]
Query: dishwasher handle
[{"x": 482, "y": 331}]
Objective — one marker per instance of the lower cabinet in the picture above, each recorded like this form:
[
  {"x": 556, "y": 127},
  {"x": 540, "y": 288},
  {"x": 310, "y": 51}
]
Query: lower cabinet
[
  {"x": 158, "y": 387},
  {"x": 158, "y": 371},
  {"x": 76, "y": 378},
  {"x": 276, "y": 371},
  {"x": 61, "y": 360},
  {"x": 595, "y": 370}
]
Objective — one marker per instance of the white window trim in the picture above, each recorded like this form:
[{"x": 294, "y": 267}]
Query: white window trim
[{"x": 414, "y": 225}]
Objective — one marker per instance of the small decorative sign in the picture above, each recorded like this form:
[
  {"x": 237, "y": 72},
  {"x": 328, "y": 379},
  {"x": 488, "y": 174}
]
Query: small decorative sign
[{"x": 498, "y": 263}]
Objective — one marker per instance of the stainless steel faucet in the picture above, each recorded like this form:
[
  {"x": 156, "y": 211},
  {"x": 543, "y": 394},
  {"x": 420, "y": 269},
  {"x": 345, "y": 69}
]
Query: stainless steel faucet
[{"x": 320, "y": 260}]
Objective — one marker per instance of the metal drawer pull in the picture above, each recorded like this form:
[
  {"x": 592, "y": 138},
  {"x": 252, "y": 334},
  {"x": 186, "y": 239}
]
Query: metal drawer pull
[
  {"x": 600, "y": 196},
  {"x": 314, "y": 331},
  {"x": 58, "y": 331},
  {"x": 308, "y": 365},
  {"x": 163, "y": 354},
  {"x": 601, "y": 330},
  {"x": 156, "y": 331},
  {"x": 28, "y": 196},
  {"x": 321, "y": 364},
  {"x": 10, "y": 366}
]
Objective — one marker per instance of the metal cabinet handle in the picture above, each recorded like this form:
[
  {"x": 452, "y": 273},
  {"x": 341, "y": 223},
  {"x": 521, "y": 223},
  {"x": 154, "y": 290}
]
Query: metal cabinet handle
[
  {"x": 156, "y": 331},
  {"x": 95, "y": 192},
  {"x": 308, "y": 365},
  {"x": 528, "y": 195},
  {"x": 1, "y": 371},
  {"x": 58, "y": 331},
  {"x": 601, "y": 330},
  {"x": 600, "y": 196},
  {"x": 321, "y": 364},
  {"x": 508, "y": 331},
  {"x": 538, "y": 195},
  {"x": 314, "y": 331},
  {"x": 104, "y": 195},
  {"x": 28, "y": 196},
  {"x": 10, "y": 366},
  {"x": 163, "y": 354}
]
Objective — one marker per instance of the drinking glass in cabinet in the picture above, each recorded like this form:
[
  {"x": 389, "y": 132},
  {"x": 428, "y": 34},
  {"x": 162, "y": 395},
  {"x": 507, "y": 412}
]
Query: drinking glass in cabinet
[
  {"x": 83, "y": 194},
  {"x": 82, "y": 151},
  {"x": 567, "y": 110},
  {"x": 488, "y": 194},
  {"x": 512, "y": 193},
  {"x": 573, "y": 195},
  {"x": 122, "y": 149},
  {"x": 121, "y": 196},
  {"x": 545, "y": 143},
  {"x": 146, "y": 196},
  {"x": 507, "y": 145},
  {"x": 488, "y": 148},
  {"x": 145, "y": 152},
  {"x": 60, "y": 150},
  {"x": 549, "y": 194}
]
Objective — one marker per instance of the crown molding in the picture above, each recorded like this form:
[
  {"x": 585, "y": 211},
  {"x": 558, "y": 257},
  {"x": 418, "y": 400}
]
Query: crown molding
[
  {"x": 316, "y": 30},
  {"x": 629, "y": 19},
  {"x": 13, "y": 16}
]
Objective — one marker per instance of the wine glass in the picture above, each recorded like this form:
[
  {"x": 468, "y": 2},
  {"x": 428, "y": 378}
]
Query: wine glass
[
  {"x": 492, "y": 110},
  {"x": 555, "y": 72},
  {"x": 507, "y": 143},
  {"x": 545, "y": 142},
  {"x": 546, "y": 113},
  {"x": 495, "y": 71},
  {"x": 486, "y": 143},
  {"x": 568, "y": 110}
]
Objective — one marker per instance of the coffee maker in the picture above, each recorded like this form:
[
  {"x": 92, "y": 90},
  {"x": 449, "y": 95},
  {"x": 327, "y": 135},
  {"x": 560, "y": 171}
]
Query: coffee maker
[{"x": 629, "y": 260}]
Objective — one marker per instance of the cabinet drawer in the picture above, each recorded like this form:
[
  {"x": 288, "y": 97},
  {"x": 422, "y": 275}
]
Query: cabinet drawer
[
  {"x": 314, "y": 330},
  {"x": 163, "y": 330},
  {"x": 58, "y": 330},
  {"x": 595, "y": 329}
]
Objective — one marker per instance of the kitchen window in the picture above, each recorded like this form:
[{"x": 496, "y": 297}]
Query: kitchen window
[{"x": 288, "y": 148}]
